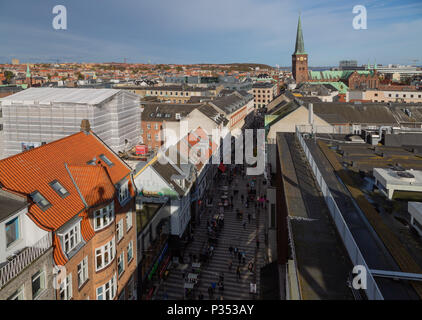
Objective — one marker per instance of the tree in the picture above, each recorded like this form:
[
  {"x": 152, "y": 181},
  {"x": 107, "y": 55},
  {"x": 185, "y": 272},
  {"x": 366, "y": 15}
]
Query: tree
[{"x": 9, "y": 76}]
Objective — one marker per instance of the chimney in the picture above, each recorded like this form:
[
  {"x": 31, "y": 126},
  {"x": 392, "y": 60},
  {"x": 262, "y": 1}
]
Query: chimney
[
  {"x": 85, "y": 126},
  {"x": 311, "y": 113}
]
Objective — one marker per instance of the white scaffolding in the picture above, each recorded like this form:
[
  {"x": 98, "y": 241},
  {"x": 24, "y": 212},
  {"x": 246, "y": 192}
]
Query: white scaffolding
[{"x": 38, "y": 115}]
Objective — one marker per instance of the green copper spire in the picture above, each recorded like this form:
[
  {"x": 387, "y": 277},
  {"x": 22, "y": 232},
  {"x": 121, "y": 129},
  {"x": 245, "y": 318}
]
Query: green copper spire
[
  {"x": 28, "y": 73},
  {"x": 300, "y": 46}
]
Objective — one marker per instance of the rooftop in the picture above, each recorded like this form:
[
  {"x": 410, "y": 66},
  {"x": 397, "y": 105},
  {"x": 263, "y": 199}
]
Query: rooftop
[
  {"x": 10, "y": 204},
  {"x": 60, "y": 95}
]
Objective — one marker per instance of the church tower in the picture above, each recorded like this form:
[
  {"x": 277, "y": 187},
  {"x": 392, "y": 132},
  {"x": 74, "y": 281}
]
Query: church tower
[
  {"x": 300, "y": 58},
  {"x": 28, "y": 79}
]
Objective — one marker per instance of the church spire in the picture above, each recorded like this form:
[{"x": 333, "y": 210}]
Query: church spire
[
  {"x": 28, "y": 73},
  {"x": 300, "y": 46}
]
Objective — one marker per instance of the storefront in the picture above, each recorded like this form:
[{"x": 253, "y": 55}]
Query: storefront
[{"x": 156, "y": 272}]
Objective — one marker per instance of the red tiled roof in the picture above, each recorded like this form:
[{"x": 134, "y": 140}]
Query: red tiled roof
[
  {"x": 94, "y": 183},
  {"x": 35, "y": 169},
  {"x": 58, "y": 256}
]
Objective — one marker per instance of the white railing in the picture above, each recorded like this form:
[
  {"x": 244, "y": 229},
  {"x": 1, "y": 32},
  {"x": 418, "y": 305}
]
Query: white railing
[
  {"x": 372, "y": 291},
  {"x": 23, "y": 259}
]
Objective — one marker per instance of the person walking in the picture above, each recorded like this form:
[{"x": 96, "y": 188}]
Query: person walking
[
  {"x": 257, "y": 243},
  {"x": 243, "y": 257},
  {"x": 210, "y": 293},
  {"x": 249, "y": 217},
  {"x": 200, "y": 296},
  {"x": 213, "y": 286},
  {"x": 231, "y": 250},
  {"x": 238, "y": 273},
  {"x": 222, "y": 276},
  {"x": 235, "y": 250},
  {"x": 244, "y": 224},
  {"x": 239, "y": 257},
  {"x": 230, "y": 264}
]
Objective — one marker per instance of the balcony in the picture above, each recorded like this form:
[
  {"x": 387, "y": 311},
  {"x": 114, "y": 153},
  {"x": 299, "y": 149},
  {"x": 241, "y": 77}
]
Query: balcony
[{"x": 24, "y": 258}]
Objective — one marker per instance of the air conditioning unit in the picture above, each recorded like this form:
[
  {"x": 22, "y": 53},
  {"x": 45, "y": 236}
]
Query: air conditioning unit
[{"x": 177, "y": 115}]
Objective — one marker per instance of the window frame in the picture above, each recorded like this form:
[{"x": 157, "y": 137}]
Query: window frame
[
  {"x": 111, "y": 251},
  {"x": 78, "y": 237},
  {"x": 130, "y": 249},
  {"x": 83, "y": 271},
  {"x": 55, "y": 182},
  {"x": 66, "y": 287},
  {"x": 107, "y": 161},
  {"x": 119, "y": 230},
  {"x": 20, "y": 292},
  {"x": 121, "y": 259},
  {"x": 38, "y": 203},
  {"x": 102, "y": 213},
  {"x": 129, "y": 226},
  {"x": 112, "y": 288},
  {"x": 40, "y": 273},
  {"x": 125, "y": 188},
  {"x": 16, "y": 222}
]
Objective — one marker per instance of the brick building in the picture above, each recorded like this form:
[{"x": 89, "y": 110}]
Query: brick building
[
  {"x": 154, "y": 115},
  {"x": 264, "y": 93},
  {"x": 79, "y": 190}
]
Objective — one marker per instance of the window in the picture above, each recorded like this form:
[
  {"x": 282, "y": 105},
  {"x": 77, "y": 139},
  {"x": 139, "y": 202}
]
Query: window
[
  {"x": 61, "y": 191},
  {"x": 156, "y": 137},
  {"x": 83, "y": 272},
  {"x": 128, "y": 220},
  {"x": 121, "y": 263},
  {"x": 130, "y": 252},
  {"x": 17, "y": 295},
  {"x": 142, "y": 131},
  {"x": 12, "y": 231},
  {"x": 106, "y": 160},
  {"x": 103, "y": 217},
  {"x": 39, "y": 199},
  {"x": 108, "y": 290},
  {"x": 66, "y": 288},
  {"x": 156, "y": 126},
  {"x": 38, "y": 283},
  {"x": 124, "y": 191},
  {"x": 119, "y": 230},
  {"x": 149, "y": 136},
  {"x": 104, "y": 255},
  {"x": 130, "y": 289},
  {"x": 72, "y": 238}
]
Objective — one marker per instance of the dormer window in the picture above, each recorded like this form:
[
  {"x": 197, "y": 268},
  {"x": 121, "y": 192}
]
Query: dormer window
[
  {"x": 106, "y": 160},
  {"x": 40, "y": 201},
  {"x": 61, "y": 191},
  {"x": 72, "y": 238}
]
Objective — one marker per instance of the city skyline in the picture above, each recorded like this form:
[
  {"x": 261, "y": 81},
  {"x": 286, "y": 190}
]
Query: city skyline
[{"x": 200, "y": 32}]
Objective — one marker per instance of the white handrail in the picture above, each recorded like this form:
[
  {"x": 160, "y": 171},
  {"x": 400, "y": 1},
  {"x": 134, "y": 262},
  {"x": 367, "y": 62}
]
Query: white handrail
[
  {"x": 372, "y": 291},
  {"x": 23, "y": 259}
]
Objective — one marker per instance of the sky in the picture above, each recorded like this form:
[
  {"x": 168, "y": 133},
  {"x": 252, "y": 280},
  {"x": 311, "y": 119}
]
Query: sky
[{"x": 210, "y": 31}]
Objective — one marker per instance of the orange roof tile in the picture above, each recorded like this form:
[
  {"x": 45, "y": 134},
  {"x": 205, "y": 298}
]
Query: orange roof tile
[
  {"x": 94, "y": 183},
  {"x": 35, "y": 169}
]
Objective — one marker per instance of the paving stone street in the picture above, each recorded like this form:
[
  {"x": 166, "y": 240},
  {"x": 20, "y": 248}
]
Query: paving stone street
[{"x": 236, "y": 232}]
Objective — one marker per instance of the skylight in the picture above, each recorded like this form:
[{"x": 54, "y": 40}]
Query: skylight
[
  {"x": 106, "y": 160},
  {"x": 39, "y": 199},
  {"x": 61, "y": 191}
]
